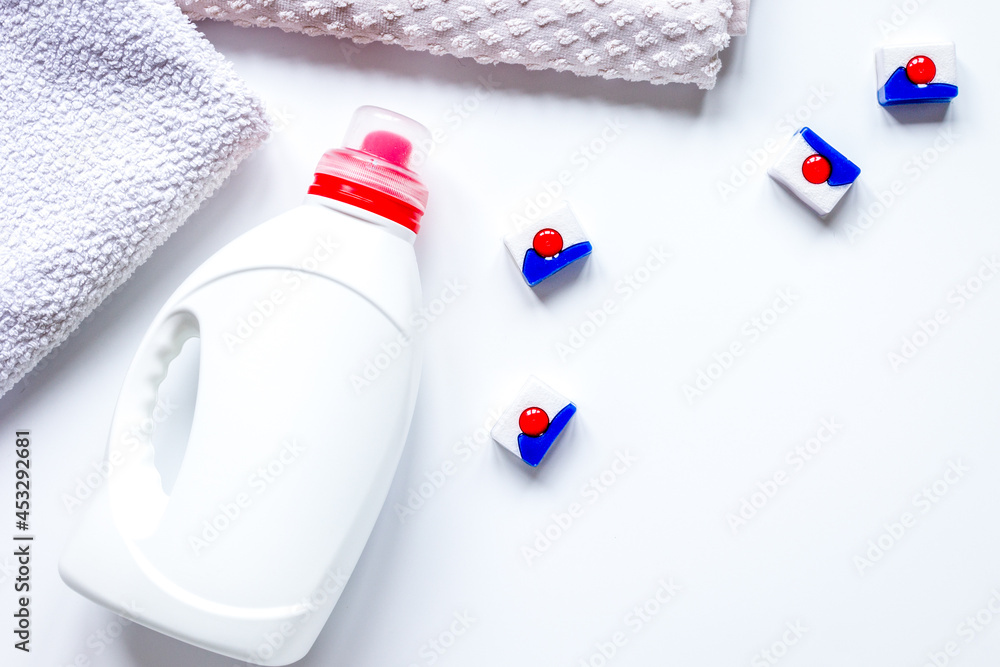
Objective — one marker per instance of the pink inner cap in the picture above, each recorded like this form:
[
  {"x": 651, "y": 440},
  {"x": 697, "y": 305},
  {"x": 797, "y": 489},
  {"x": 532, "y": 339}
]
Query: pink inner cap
[{"x": 389, "y": 146}]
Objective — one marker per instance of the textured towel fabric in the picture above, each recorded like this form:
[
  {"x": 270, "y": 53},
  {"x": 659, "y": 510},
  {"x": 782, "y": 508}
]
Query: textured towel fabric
[
  {"x": 117, "y": 118},
  {"x": 660, "y": 41}
]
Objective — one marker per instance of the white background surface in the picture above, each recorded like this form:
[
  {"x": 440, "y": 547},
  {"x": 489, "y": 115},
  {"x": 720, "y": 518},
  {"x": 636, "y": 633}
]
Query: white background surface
[{"x": 655, "y": 185}]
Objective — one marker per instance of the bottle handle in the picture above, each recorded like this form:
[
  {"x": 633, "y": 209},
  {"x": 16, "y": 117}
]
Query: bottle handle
[{"x": 137, "y": 497}]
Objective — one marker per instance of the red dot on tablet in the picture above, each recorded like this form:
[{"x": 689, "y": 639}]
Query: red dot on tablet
[
  {"x": 533, "y": 422},
  {"x": 548, "y": 243},
  {"x": 816, "y": 169},
  {"x": 921, "y": 70}
]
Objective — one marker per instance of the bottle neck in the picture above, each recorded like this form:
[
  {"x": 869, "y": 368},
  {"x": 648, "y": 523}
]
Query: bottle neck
[
  {"x": 368, "y": 190},
  {"x": 390, "y": 226}
]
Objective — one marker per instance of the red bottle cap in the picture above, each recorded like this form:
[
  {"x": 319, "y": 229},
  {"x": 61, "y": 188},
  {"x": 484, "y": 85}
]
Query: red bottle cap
[{"x": 375, "y": 168}]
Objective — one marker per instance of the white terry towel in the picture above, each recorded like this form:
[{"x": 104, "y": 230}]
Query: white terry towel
[
  {"x": 117, "y": 119},
  {"x": 660, "y": 41}
]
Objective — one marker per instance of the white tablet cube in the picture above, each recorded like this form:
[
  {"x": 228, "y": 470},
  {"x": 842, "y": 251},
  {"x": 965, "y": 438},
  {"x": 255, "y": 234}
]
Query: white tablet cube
[
  {"x": 916, "y": 74},
  {"x": 814, "y": 171},
  {"x": 548, "y": 245},
  {"x": 531, "y": 424}
]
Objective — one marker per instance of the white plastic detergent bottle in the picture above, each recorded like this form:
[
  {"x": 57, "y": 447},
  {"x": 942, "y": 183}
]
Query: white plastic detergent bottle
[{"x": 289, "y": 460}]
